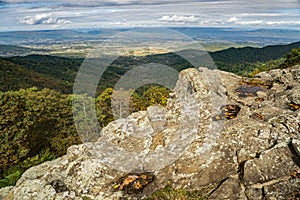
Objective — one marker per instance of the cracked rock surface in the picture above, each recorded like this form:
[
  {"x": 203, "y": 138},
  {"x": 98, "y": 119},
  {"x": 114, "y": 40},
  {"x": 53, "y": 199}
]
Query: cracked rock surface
[{"x": 251, "y": 154}]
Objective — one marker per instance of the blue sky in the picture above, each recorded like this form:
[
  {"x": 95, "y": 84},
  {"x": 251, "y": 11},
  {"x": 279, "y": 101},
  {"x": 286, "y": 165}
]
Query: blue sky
[{"x": 41, "y": 15}]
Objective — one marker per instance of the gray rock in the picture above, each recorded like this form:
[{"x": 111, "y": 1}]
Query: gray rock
[
  {"x": 230, "y": 189},
  {"x": 254, "y": 193},
  {"x": 195, "y": 142},
  {"x": 283, "y": 190},
  {"x": 271, "y": 165},
  {"x": 293, "y": 96},
  {"x": 5, "y": 192},
  {"x": 296, "y": 146}
]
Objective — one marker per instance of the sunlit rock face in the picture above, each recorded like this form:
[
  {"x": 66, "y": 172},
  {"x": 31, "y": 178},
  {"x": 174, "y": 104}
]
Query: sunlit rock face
[{"x": 232, "y": 137}]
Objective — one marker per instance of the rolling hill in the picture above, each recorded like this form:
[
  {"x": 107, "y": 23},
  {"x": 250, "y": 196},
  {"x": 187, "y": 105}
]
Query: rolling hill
[
  {"x": 15, "y": 76},
  {"x": 59, "y": 73},
  {"x": 251, "y": 54}
]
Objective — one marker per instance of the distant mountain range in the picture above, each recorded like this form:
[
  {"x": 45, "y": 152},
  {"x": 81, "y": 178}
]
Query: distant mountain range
[
  {"x": 210, "y": 38},
  {"x": 59, "y": 73}
]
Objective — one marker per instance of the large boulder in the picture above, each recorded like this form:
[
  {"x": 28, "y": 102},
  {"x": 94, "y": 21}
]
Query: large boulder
[{"x": 237, "y": 138}]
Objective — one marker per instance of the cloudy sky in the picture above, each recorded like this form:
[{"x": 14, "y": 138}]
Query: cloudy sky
[{"x": 64, "y": 14}]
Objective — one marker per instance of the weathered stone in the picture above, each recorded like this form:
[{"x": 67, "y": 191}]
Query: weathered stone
[
  {"x": 283, "y": 190},
  {"x": 230, "y": 189},
  {"x": 293, "y": 96},
  {"x": 296, "y": 73},
  {"x": 253, "y": 193},
  {"x": 254, "y": 148},
  {"x": 261, "y": 94},
  {"x": 271, "y": 164},
  {"x": 5, "y": 192},
  {"x": 34, "y": 189},
  {"x": 296, "y": 146}
]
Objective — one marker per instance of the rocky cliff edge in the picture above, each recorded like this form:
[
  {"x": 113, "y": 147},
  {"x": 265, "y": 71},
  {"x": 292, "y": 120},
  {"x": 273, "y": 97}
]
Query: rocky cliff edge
[{"x": 228, "y": 136}]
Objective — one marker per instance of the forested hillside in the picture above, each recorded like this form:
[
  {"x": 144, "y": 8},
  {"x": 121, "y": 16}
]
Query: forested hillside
[
  {"x": 15, "y": 76},
  {"x": 245, "y": 61},
  {"x": 40, "y": 71},
  {"x": 35, "y": 126},
  {"x": 251, "y": 54}
]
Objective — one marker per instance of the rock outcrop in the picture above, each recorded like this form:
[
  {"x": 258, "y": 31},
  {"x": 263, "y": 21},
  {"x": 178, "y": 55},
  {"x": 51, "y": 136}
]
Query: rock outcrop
[{"x": 233, "y": 137}]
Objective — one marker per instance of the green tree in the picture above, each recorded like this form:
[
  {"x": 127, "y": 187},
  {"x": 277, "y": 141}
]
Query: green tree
[
  {"x": 153, "y": 95},
  {"x": 33, "y": 121},
  {"x": 103, "y": 105},
  {"x": 140, "y": 100},
  {"x": 291, "y": 59}
]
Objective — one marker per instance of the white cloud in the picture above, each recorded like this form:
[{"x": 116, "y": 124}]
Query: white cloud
[
  {"x": 91, "y": 3},
  {"x": 268, "y": 23},
  {"x": 272, "y": 23},
  {"x": 179, "y": 18},
  {"x": 261, "y": 14},
  {"x": 232, "y": 19},
  {"x": 123, "y": 22},
  {"x": 43, "y": 19},
  {"x": 254, "y": 22},
  {"x": 110, "y": 13}
]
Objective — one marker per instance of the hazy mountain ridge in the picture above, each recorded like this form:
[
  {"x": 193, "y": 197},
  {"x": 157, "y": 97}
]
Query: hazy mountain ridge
[
  {"x": 251, "y": 54},
  {"x": 82, "y": 41}
]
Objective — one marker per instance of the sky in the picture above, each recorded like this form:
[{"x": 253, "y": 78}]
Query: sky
[{"x": 65, "y": 14}]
